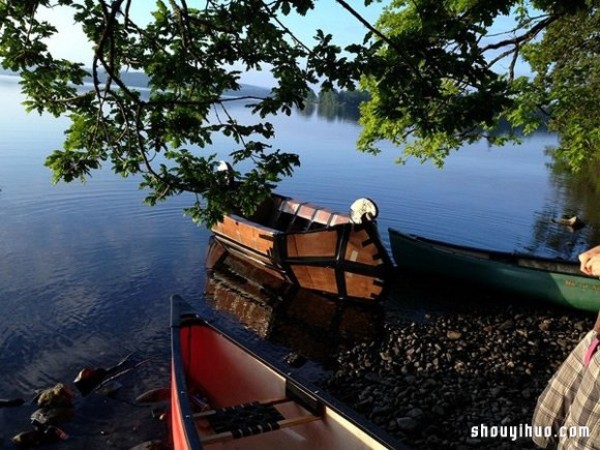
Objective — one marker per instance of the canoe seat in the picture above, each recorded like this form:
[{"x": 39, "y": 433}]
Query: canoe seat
[{"x": 248, "y": 419}]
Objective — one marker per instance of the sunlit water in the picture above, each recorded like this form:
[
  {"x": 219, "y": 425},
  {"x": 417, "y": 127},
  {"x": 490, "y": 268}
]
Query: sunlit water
[{"x": 86, "y": 270}]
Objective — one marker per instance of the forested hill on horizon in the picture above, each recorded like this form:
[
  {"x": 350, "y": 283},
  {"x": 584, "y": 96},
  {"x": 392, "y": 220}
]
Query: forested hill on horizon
[
  {"x": 140, "y": 80},
  {"x": 331, "y": 103}
]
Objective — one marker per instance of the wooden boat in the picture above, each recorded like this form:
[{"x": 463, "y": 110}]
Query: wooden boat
[
  {"x": 313, "y": 247},
  {"x": 555, "y": 280},
  {"x": 225, "y": 395}
]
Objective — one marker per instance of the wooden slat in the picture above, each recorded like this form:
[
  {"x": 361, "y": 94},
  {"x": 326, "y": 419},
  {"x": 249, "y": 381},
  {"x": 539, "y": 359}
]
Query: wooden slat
[
  {"x": 361, "y": 249},
  {"x": 311, "y": 245},
  {"x": 249, "y": 234},
  {"x": 318, "y": 278},
  {"x": 362, "y": 286}
]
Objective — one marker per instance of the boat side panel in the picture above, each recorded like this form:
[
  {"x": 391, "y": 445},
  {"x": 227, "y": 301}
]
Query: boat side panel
[
  {"x": 303, "y": 210},
  {"x": 245, "y": 253},
  {"x": 248, "y": 234},
  {"x": 339, "y": 219},
  {"x": 315, "y": 277},
  {"x": 363, "y": 286},
  {"x": 182, "y": 428},
  {"x": 362, "y": 248},
  {"x": 179, "y": 433},
  {"x": 225, "y": 373},
  {"x": 310, "y": 245}
]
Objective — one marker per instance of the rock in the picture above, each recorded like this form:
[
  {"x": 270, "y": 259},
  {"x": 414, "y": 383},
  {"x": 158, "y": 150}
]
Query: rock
[
  {"x": 51, "y": 416},
  {"x": 110, "y": 389},
  {"x": 438, "y": 410},
  {"x": 380, "y": 410},
  {"x": 415, "y": 413},
  {"x": 38, "y": 436},
  {"x": 406, "y": 423},
  {"x": 151, "y": 445},
  {"x": 410, "y": 379},
  {"x": 495, "y": 392},
  {"x": 453, "y": 335},
  {"x": 59, "y": 396},
  {"x": 89, "y": 379}
]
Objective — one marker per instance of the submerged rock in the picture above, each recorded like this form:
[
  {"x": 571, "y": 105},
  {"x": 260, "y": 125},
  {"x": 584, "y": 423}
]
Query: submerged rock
[
  {"x": 51, "y": 416},
  {"x": 39, "y": 436},
  {"x": 59, "y": 396}
]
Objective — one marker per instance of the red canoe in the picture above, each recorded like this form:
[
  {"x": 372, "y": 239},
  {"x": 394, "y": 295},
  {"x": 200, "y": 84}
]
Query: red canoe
[{"x": 224, "y": 394}]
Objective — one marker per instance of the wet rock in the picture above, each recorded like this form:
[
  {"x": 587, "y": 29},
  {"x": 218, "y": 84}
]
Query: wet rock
[
  {"x": 110, "y": 389},
  {"x": 151, "y": 445},
  {"x": 51, "y": 416},
  {"x": 295, "y": 360},
  {"x": 59, "y": 396},
  {"x": 415, "y": 413},
  {"x": 39, "y": 436}
]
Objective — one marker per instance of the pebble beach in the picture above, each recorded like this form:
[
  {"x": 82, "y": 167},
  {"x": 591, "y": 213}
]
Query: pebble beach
[{"x": 466, "y": 362}]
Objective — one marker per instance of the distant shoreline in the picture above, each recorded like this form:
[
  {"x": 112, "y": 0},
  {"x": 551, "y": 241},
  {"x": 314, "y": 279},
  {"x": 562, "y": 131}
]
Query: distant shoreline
[{"x": 139, "y": 80}]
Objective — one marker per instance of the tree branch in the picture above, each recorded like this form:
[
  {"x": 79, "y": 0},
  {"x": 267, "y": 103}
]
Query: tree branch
[
  {"x": 379, "y": 34},
  {"x": 530, "y": 34}
]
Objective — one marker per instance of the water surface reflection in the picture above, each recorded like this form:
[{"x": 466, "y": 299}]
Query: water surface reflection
[{"x": 312, "y": 326}]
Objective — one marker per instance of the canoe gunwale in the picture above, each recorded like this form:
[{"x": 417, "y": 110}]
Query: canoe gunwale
[
  {"x": 570, "y": 268},
  {"x": 181, "y": 408},
  {"x": 301, "y": 391}
]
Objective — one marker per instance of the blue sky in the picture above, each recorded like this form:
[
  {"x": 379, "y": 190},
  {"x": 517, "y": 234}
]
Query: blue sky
[{"x": 328, "y": 15}]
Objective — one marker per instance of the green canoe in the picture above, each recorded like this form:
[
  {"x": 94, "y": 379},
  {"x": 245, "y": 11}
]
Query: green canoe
[{"x": 554, "y": 280}]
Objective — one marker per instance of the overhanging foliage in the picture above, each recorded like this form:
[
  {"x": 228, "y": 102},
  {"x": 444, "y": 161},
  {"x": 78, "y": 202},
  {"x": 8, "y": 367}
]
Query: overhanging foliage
[{"x": 436, "y": 76}]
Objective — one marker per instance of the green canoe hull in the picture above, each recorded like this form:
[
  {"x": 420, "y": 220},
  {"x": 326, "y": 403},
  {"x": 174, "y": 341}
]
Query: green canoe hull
[{"x": 553, "y": 280}]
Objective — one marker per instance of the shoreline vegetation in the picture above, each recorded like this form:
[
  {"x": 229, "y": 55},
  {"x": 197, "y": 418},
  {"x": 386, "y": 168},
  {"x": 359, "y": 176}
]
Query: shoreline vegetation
[{"x": 344, "y": 104}]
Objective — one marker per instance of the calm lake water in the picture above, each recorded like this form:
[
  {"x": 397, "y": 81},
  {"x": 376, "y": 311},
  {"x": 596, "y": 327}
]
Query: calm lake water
[{"x": 86, "y": 270}]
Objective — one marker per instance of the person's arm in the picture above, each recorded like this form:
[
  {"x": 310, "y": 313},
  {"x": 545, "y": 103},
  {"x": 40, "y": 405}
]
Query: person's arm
[{"x": 590, "y": 261}]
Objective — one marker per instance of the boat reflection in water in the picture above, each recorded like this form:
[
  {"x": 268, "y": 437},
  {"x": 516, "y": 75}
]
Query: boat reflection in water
[{"x": 312, "y": 325}]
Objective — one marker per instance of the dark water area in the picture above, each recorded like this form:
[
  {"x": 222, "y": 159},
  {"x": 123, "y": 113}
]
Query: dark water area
[{"x": 86, "y": 270}]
